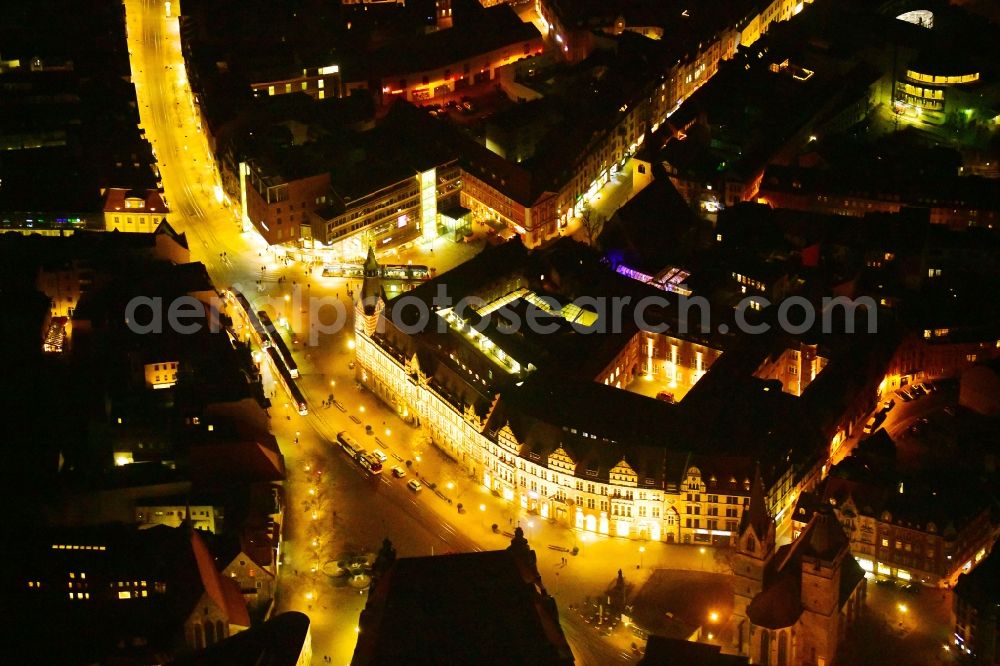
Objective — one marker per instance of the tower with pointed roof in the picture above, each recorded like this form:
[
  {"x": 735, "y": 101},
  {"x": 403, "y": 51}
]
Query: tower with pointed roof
[
  {"x": 370, "y": 299},
  {"x": 754, "y": 550},
  {"x": 813, "y": 592}
]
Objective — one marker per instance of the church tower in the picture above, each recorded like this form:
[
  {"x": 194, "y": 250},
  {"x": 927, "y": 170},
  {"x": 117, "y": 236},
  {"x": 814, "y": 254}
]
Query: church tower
[
  {"x": 824, "y": 557},
  {"x": 753, "y": 552},
  {"x": 370, "y": 302}
]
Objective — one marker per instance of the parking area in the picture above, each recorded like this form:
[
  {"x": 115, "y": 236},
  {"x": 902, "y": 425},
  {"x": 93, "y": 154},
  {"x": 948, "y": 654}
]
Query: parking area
[{"x": 912, "y": 624}]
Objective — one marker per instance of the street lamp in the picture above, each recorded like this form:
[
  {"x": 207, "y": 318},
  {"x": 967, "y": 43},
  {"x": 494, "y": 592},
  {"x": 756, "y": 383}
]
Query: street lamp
[
  {"x": 642, "y": 551},
  {"x": 713, "y": 616}
]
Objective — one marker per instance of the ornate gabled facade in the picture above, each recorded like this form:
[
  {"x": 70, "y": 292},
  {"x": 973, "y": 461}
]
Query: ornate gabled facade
[{"x": 564, "y": 425}]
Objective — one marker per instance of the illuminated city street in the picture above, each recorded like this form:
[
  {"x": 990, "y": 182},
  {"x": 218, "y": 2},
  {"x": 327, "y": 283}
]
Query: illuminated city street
[
  {"x": 541, "y": 333},
  {"x": 416, "y": 524}
]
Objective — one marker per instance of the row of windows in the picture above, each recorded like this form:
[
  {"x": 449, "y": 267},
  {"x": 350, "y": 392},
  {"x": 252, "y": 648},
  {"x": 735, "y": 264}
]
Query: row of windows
[
  {"x": 928, "y": 78},
  {"x": 926, "y": 93},
  {"x": 449, "y": 419}
]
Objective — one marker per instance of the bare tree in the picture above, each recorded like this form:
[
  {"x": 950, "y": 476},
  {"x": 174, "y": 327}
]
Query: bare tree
[{"x": 591, "y": 222}]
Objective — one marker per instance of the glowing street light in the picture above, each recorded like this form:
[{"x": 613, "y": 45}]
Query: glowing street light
[
  {"x": 388, "y": 431},
  {"x": 713, "y": 616},
  {"x": 450, "y": 485},
  {"x": 350, "y": 344},
  {"x": 902, "y": 608},
  {"x": 642, "y": 551}
]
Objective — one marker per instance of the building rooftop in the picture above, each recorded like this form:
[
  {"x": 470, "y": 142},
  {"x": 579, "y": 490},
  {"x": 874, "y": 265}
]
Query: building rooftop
[
  {"x": 980, "y": 587},
  {"x": 279, "y": 641},
  {"x": 173, "y": 563},
  {"x": 136, "y": 201},
  {"x": 663, "y": 651},
  {"x": 439, "y": 603},
  {"x": 480, "y": 32},
  {"x": 823, "y": 540}
]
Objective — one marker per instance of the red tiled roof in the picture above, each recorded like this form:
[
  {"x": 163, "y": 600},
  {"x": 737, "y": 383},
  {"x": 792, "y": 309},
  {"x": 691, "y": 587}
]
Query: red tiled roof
[
  {"x": 152, "y": 201},
  {"x": 223, "y": 591}
]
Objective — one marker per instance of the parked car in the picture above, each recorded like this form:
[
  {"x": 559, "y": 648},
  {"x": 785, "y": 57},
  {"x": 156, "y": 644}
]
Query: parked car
[
  {"x": 873, "y": 423},
  {"x": 927, "y": 387},
  {"x": 665, "y": 396},
  {"x": 888, "y": 405},
  {"x": 414, "y": 485},
  {"x": 904, "y": 395},
  {"x": 381, "y": 456},
  {"x": 916, "y": 391},
  {"x": 398, "y": 472}
]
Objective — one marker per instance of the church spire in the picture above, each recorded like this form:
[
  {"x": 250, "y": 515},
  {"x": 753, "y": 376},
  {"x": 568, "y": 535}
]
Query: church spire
[
  {"x": 756, "y": 515},
  {"x": 371, "y": 264}
]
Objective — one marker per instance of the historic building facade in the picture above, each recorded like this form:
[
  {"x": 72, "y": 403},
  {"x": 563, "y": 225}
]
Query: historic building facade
[{"x": 567, "y": 473}]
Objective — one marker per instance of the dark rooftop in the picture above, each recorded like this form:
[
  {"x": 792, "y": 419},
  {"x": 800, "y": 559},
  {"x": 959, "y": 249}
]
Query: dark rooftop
[
  {"x": 279, "y": 641},
  {"x": 441, "y": 604}
]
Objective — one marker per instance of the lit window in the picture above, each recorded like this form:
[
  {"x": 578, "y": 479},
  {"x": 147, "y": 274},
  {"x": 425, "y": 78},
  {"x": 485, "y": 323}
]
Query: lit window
[{"x": 124, "y": 594}]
